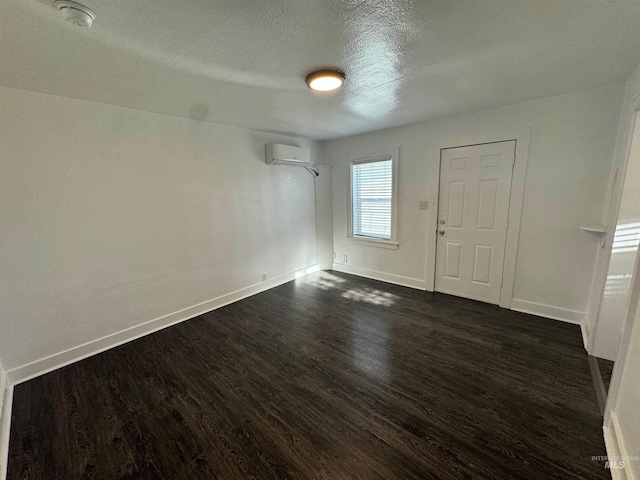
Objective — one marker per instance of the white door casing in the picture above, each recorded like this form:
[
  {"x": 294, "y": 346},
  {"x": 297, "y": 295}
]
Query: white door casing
[{"x": 475, "y": 188}]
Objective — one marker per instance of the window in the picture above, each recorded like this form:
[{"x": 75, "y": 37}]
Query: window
[
  {"x": 371, "y": 189},
  {"x": 373, "y": 198}
]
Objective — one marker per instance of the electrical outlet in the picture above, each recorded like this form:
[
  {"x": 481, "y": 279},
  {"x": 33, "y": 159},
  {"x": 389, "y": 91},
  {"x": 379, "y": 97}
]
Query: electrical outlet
[
  {"x": 344, "y": 258},
  {"x": 264, "y": 277},
  {"x": 423, "y": 205},
  {"x": 334, "y": 255}
]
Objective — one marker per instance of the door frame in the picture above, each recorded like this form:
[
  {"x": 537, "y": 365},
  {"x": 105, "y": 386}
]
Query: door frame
[{"x": 522, "y": 137}]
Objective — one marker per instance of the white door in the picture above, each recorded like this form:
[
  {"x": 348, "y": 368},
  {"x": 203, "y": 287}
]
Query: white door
[{"x": 473, "y": 211}]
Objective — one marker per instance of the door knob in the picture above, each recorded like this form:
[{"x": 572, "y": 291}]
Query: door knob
[
  {"x": 441, "y": 232},
  {"x": 441, "y": 222}
]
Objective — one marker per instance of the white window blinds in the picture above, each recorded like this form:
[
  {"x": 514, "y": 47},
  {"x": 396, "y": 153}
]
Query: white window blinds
[{"x": 372, "y": 190}]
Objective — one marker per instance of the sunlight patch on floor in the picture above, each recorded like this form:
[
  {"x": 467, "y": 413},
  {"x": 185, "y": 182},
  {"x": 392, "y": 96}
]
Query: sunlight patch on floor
[
  {"x": 325, "y": 281},
  {"x": 369, "y": 295}
]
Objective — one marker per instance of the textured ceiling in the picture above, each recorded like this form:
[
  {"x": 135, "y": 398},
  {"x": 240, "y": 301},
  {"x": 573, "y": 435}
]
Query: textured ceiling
[{"x": 243, "y": 62}]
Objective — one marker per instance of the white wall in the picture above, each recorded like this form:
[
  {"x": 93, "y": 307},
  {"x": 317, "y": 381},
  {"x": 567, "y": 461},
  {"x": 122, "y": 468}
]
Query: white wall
[
  {"x": 608, "y": 312},
  {"x": 114, "y": 217},
  {"x": 324, "y": 219},
  {"x": 572, "y": 139},
  {"x": 622, "y": 418},
  {"x": 623, "y": 249}
]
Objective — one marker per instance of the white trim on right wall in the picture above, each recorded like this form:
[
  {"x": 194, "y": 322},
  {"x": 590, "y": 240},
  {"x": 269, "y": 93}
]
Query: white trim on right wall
[
  {"x": 522, "y": 136},
  {"x": 620, "y": 450},
  {"x": 613, "y": 451},
  {"x": 6, "y": 398},
  {"x": 3, "y": 384}
]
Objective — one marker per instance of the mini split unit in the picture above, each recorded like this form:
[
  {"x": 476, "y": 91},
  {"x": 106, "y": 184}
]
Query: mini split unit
[{"x": 277, "y": 154}]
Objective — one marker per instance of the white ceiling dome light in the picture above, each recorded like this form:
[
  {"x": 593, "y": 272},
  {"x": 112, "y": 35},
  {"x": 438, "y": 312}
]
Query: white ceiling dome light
[
  {"x": 75, "y": 13},
  {"x": 325, "y": 80}
]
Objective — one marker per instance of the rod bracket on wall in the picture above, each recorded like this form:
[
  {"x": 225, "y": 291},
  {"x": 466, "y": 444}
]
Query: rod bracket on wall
[{"x": 314, "y": 171}]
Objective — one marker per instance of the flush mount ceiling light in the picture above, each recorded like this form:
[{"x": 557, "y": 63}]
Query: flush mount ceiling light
[
  {"x": 75, "y": 13},
  {"x": 325, "y": 80}
]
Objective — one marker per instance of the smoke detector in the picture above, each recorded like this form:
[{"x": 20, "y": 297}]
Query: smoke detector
[{"x": 75, "y": 13}]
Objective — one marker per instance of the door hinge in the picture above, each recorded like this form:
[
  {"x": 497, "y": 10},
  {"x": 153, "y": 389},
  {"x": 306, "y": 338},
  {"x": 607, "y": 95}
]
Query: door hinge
[
  {"x": 507, "y": 223},
  {"x": 514, "y": 159}
]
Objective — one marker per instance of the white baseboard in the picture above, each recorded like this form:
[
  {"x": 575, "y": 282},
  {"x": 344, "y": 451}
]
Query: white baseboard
[
  {"x": 3, "y": 384},
  {"x": 617, "y": 449},
  {"x": 584, "y": 328},
  {"x": 72, "y": 355},
  {"x": 382, "y": 276},
  {"x": 548, "y": 311},
  {"x": 5, "y": 428}
]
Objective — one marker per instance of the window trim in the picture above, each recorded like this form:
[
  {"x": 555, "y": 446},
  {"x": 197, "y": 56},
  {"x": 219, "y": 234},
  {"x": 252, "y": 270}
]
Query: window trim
[{"x": 381, "y": 155}]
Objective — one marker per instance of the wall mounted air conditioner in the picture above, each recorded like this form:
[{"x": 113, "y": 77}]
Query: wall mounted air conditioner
[{"x": 277, "y": 154}]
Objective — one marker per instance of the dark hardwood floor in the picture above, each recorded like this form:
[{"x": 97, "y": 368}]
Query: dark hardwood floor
[{"x": 331, "y": 376}]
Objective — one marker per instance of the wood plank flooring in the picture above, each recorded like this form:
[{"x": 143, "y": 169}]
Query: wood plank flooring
[{"x": 328, "y": 377}]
